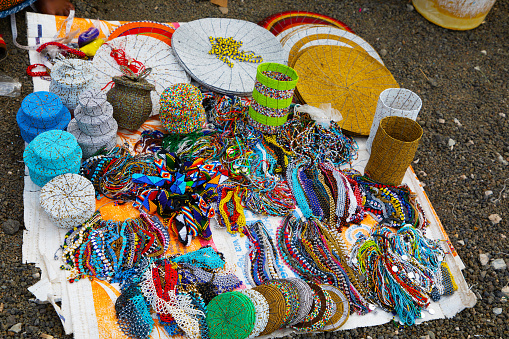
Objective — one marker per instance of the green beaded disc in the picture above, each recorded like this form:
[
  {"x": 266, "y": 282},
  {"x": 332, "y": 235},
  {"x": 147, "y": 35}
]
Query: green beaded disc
[{"x": 231, "y": 315}]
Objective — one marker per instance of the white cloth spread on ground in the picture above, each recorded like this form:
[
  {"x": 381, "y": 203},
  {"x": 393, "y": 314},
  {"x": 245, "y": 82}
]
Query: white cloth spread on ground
[{"x": 86, "y": 307}]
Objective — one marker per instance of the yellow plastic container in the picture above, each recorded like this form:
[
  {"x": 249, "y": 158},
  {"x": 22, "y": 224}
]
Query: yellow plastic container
[{"x": 454, "y": 14}]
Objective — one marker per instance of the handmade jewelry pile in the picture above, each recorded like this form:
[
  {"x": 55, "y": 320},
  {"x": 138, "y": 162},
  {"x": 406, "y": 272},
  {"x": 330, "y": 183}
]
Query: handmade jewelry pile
[{"x": 213, "y": 157}]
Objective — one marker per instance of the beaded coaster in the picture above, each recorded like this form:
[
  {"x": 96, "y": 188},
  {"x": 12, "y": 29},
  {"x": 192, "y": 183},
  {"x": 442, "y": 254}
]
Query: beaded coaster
[
  {"x": 295, "y": 42},
  {"x": 231, "y": 315},
  {"x": 191, "y": 44},
  {"x": 277, "y": 307},
  {"x": 342, "y": 311},
  {"x": 262, "y": 311},
  {"x": 156, "y": 30},
  {"x": 291, "y": 298},
  {"x": 318, "y": 316},
  {"x": 305, "y": 299},
  {"x": 329, "y": 74},
  {"x": 68, "y": 200}
]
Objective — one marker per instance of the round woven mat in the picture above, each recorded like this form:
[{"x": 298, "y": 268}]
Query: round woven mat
[
  {"x": 279, "y": 22},
  {"x": 349, "y": 79},
  {"x": 277, "y": 307},
  {"x": 191, "y": 45},
  {"x": 342, "y": 308},
  {"x": 230, "y": 315},
  {"x": 298, "y": 40},
  {"x": 153, "y": 29}
]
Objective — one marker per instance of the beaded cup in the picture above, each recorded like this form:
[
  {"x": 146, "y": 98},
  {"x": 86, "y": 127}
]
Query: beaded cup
[{"x": 272, "y": 94}]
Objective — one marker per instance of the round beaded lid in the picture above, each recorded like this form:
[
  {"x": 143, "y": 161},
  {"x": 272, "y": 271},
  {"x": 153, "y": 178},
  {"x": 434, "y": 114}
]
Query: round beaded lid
[
  {"x": 330, "y": 74},
  {"x": 231, "y": 315},
  {"x": 68, "y": 200},
  {"x": 277, "y": 307},
  {"x": 94, "y": 103},
  {"x": 42, "y": 108},
  {"x": 342, "y": 309},
  {"x": 193, "y": 42},
  {"x": 262, "y": 311}
]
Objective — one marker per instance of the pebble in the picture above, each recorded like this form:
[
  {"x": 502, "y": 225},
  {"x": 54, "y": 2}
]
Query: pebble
[
  {"x": 501, "y": 159},
  {"x": 451, "y": 143},
  {"x": 409, "y": 7},
  {"x": 488, "y": 193},
  {"x": 383, "y": 52},
  {"x": 36, "y": 275},
  {"x": 457, "y": 122},
  {"x": 461, "y": 242},
  {"x": 441, "y": 121},
  {"x": 477, "y": 68},
  {"x": 11, "y": 226},
  {"x": 484, "y": 52},
  {"x": 431, "y": 335},
  {"x": 502, "y": 115},
  {"x": 495, "y": 218},
  {"x": 16, "y": 328},
  {"x": 499, "y": 264},
  {"x": 484, "y": 259},
  {"x": 497, "y": 310},
  {"x": 505, "y": 291}
]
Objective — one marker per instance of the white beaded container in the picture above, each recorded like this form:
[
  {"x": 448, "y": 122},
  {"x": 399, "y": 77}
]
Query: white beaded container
[
  {"x": 91, "y": 144},
  {"x": 68, "y": 200},
  {"x": 69, "y": 78}
]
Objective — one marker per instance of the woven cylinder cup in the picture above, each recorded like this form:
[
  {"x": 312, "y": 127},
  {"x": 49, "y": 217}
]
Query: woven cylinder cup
[
  {"x": 393, "y": 149},
  {"x": 399, "y": 102},
  {"x": 272, "y": 97}
]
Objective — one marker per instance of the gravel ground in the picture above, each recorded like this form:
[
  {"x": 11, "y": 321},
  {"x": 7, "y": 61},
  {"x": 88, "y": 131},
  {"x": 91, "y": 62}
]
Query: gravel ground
[{"x": 462, "y": 80}]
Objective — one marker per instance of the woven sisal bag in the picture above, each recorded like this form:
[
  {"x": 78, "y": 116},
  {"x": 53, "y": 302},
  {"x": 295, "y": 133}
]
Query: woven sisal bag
[{"x": 393, "y": 149}]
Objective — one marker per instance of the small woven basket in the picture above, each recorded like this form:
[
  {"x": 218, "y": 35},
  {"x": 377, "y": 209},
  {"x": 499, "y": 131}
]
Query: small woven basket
[
  {"x": 272, "y": 94},
  {"x": 393, "y": 149},
  {"x": 130, "y": 98}
]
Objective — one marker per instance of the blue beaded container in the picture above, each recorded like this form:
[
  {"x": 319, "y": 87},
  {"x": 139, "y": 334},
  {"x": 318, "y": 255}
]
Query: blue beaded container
[
  {"x": 40, "y": 112},
  {"x": 51, "y": 154}
]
